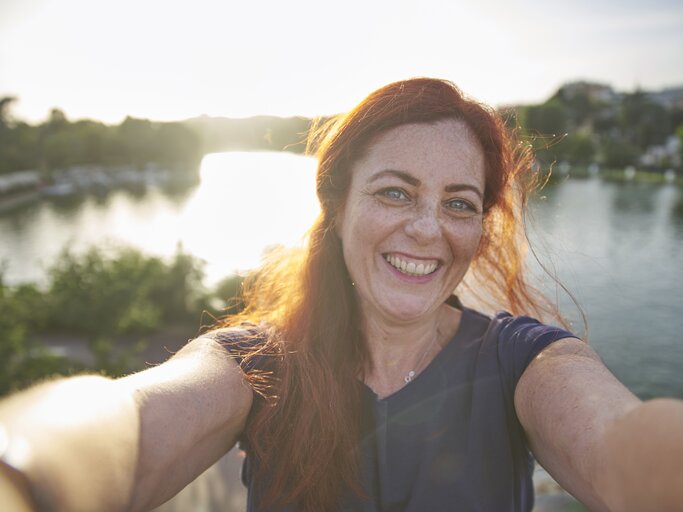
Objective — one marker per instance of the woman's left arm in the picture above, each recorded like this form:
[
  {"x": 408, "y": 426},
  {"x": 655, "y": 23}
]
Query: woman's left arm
[{"x": 600, "y": 442}]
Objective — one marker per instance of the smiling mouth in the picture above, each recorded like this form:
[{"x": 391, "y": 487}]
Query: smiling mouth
[{"x": 409, "y": 267}]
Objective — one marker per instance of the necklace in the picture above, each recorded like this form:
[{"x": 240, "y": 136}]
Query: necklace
[{"x": 411, "y": 374}]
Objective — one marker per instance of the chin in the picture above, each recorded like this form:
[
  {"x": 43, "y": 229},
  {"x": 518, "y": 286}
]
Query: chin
[{"x": 407, "y": 312}]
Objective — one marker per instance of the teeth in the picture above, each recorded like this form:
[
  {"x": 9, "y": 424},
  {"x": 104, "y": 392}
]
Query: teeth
[{"x": 411, "y": 268}]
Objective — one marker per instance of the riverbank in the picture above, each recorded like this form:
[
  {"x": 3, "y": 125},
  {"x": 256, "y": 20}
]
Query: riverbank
[
  {"x": 26, "y": 187},
  {"x": 563, "y": 170}
]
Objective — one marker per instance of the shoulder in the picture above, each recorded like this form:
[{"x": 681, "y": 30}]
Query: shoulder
[
  {"x": 242, "y": 333},
  {"x": 515, "y": 340},
  {"x": 251, "y": 346},
  {"x": 526, "y": 329},
  {"x": 507, "y": 328},
  {"x": 240, "y": 339}
]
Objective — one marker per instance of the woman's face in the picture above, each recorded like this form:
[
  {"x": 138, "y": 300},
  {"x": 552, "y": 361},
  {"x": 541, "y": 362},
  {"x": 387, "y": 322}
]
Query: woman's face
[{"x": 412, "y": 220}]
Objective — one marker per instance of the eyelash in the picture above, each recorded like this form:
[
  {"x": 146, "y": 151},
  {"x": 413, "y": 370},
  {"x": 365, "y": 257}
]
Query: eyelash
[
  {"x": 387, "y": 192},
  {"x": 467, "y": 204},
  {"x": 392, "y": 193}
]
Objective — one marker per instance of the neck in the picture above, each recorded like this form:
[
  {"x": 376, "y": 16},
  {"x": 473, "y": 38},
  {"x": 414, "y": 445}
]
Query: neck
[{"x": 397, "y": 350}]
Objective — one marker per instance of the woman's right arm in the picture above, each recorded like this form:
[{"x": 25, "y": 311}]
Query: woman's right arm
[{"x": 91, "y": 443}]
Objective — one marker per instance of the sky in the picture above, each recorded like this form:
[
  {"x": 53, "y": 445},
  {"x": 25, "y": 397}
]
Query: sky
[{"x": 171, "y": 60}]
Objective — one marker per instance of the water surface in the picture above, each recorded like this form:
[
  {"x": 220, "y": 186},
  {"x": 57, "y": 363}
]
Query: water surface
[{"x": 617, "y": 246}]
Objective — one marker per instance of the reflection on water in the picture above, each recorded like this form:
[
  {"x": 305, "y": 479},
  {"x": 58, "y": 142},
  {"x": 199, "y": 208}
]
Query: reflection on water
[
  {"x": 617, "y": 246},
  {"x": 245, "y": 202},
  {"x": 677, "y": 211}
]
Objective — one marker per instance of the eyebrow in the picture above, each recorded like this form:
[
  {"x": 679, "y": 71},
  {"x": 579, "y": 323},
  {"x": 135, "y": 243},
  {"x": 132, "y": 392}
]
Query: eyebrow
[{"x": 412, "y": 180}]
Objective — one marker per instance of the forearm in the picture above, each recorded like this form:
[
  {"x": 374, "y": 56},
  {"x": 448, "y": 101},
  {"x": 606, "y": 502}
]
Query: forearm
[
  {"x": 91, "y": 443},
  {"x": 15, "y": 491},
  {"x": 76, "y": 442},
  {"x": 644, "y": 450},
  {"x": 192, "y": 408}
]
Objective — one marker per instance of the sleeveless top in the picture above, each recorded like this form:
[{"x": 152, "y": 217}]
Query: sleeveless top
[{"x": 450, "y": 439}]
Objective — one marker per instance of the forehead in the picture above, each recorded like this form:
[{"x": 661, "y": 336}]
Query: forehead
[{"x": 444, "y": 150}]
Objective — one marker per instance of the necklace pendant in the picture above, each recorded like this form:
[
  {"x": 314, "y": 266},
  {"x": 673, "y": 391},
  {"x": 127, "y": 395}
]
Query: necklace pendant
[{"x": 409, "y": 377}]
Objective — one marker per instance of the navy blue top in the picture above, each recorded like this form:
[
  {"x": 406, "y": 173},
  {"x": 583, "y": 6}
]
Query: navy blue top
[{"x": 450, "y": 439}]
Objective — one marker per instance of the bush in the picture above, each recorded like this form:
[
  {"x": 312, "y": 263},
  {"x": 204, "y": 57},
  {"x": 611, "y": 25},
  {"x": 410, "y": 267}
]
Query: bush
[
  {"x": 111, "y": 298},
  {"x": 124, "y": 292},
  {"x": 22, "y": 361}
]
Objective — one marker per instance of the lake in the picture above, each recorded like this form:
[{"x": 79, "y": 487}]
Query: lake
[{"x": 618, "y": 246}]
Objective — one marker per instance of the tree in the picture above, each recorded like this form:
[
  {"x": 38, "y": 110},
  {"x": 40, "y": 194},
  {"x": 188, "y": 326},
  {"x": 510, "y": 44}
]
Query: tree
[
  {"x": 5, "y": 105},
  {"x": 136, "y": 139},
  {"x": 547, "y": 119},
  {"x": 578, "y": 148},
  {"x": 178, "y": 147},
  {"x": 618, "y": 153},
  {"x": 643, "y": 122}
]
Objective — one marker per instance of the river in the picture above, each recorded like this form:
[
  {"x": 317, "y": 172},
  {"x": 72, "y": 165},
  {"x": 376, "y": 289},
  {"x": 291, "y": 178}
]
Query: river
[{"x": 618, "y": 246}]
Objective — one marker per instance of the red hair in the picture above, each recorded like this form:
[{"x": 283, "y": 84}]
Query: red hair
[{"x": 303, "y": 434}]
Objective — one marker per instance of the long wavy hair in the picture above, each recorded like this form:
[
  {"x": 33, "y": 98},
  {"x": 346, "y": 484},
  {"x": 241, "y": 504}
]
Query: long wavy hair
[{"x": 303, "y": 431}]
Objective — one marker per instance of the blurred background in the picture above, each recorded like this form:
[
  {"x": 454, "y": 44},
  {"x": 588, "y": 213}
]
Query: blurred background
[{"x": 151, "y": 151}]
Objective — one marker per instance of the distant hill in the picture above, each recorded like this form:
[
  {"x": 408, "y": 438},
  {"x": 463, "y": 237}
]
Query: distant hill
[
  {"x": 592, "y": 106},
  {"x": 583, "y": 122},
  {"x": 253, "y": 133}
]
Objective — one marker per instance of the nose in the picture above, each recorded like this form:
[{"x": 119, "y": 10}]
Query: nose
[{"x": 425, "y": 226}]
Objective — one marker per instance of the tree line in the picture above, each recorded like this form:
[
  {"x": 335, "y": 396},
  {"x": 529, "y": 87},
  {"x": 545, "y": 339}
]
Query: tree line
[
  {"x": 58, "y": 143},
  {"x": 582, "y": 123}
]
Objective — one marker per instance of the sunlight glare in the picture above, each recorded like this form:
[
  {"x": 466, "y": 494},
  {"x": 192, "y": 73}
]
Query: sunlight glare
[{"x": 246, "y": 203}]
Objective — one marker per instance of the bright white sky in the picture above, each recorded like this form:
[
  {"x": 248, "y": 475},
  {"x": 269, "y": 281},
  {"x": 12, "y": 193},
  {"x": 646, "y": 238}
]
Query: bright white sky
[{"x": 167, "y": 59}]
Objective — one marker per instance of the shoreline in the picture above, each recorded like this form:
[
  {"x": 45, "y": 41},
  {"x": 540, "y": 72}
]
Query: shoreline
[{"x": 627, "y": 175}]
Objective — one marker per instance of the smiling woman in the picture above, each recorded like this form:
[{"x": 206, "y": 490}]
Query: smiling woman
[
  {"x": 422, "y": 186},
  {"x": 356, "y": 378},
  {"x": 415, "y": 175}
]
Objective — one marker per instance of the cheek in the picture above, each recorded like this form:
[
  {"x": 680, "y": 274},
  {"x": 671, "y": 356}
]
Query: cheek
[
  {"x": 467, "y": 237},
  {"x": 365, "y": 222}
]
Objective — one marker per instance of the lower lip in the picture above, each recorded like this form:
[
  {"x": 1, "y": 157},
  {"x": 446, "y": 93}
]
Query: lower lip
[{"x": 408, "y": 278}]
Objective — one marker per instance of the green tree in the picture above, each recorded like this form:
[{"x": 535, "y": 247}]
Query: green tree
[
  {"x": 547, "y": 119},
  {"x": 618, "y": 153},
  {"x": 580, "y": 148},
  {"x": 679, "y": 134},
  {"x": 5, "y": 107},
  {"x": 23, "y": 360},
  {"x": 137, "y": 140},
  {"x": 103, "y": 295},
  {"x": 643, "y": 122},
  {"x": 578, "y": 104},
  {"x": 177, "y": 147}
]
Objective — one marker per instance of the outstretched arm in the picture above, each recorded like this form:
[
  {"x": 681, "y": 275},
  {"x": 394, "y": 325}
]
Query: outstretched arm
[
  {"x": 91, "y": 443},
  {"x": 605, "y": 446}
]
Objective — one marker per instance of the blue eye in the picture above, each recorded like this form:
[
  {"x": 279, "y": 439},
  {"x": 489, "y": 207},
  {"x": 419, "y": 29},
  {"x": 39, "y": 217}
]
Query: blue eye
[
  {"x": 395, "y": 194},
  {"x": 460, "y": 205}
]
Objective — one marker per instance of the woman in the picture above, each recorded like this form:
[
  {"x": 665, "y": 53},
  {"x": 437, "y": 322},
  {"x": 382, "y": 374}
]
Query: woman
[{"x": 363, "y": 382}]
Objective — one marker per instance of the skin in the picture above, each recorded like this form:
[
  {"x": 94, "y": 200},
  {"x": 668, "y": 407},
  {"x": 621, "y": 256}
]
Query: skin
[
  {"x": 606, "y": 447},
  {"x": 422, "y": 187},
  {"x": 157, "y": 430}
]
